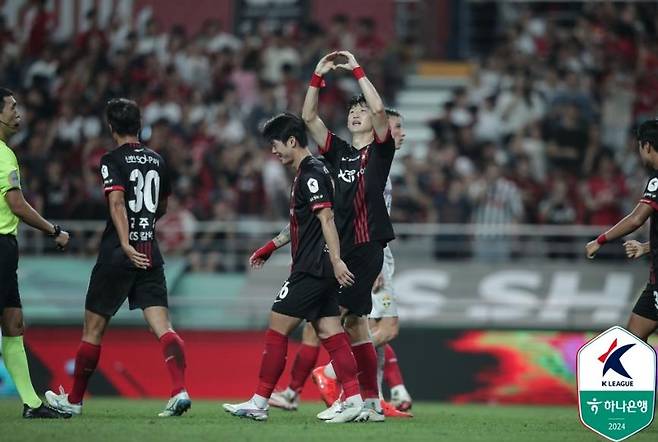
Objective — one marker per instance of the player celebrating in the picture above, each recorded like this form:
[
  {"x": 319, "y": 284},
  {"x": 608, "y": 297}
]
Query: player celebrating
[
  {"x": 383, "y": 323},
  {"x": 310, "y": 291},
  {"x": 12, "y": 208},
  {"x": 129, "y": 262},
  {"x": 360, "y": 171},
  {"x": 644, "y": 318}
]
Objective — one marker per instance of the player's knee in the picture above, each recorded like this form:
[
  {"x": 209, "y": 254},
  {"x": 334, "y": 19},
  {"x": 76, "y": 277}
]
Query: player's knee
[{"x": 13, "y": 327}]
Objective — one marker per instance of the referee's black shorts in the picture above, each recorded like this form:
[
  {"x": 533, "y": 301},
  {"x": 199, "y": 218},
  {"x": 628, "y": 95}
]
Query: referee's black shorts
[
  {"x": 110, "y": 285},
  {"x": 9, "y": 296},
  {"x": 365, "y": 262}
]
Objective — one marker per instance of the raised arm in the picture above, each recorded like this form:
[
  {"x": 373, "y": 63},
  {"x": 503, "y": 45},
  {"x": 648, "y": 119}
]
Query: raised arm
[
  {"x": 629, "y": 224},
  {"x": 341, "y": 272},
  {"x": 375, "y": 103},
  {"x": 315, "y": 125}
]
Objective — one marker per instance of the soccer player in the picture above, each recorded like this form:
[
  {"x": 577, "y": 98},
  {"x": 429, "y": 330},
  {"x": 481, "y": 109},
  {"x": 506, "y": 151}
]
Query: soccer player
[
  {"x": 383, "y": 323},
  {"x": 317, "y": 269},
  {"x": 644, "y": 318},
  {"x": 129, "y": 262},
  {"x": 13, "y": 208},
  {"x": 360, "y": 169}
]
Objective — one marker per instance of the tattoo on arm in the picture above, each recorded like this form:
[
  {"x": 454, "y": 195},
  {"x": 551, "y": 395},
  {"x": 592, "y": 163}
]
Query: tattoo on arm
[{"x": 283, "y": 237}]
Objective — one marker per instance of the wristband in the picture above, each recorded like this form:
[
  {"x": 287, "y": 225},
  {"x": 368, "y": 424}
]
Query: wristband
[
  {"x": 266, "y": 250},
  {"x": 57, "y": 231},
  {"x": 358, "y": 73},
  {"x": 601, "y": 239},
  {"x": 317, "y": 81}
]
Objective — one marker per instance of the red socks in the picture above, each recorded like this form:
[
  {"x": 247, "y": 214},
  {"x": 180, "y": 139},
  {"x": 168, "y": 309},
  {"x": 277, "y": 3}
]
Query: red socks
[
  {"x": 305, "y": 361},
  {"x": 366, "y": 360},
  {"x": 273, "y": 362},
  {"x": 344, "y": 363},
  {"x": 392, "y": 373},
  {"x": 173, "y": 350},
  {"x": 86, "y": 360}
]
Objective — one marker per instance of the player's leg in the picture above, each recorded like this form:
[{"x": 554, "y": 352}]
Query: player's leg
[
  {"x": 644, "y": 319},
  {"x": 271, "y": 367},
  {"x": 305, "y": 360},
  {"x": 108, "y": 288},
  {"x": 641, "y": 327},
  {"x": 173, "y": 352},
  {"x": 336, "y": 342},
  {"x": 356, "y": 303},
  {"x": 400, "y": 397},
  {"x": 11, "y": 321}
]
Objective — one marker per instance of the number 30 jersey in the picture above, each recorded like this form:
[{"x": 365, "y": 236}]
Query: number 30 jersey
[{"x": 142, "y": 175}]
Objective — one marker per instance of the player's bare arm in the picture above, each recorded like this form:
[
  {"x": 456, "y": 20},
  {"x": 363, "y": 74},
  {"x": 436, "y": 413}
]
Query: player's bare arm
[
  {"x": 629, "y": 224},
  {"x": 342, "y": 273},
  {"x": 258, "y": 258},
  {"x": 375, "y": 103},
  {"x": 120, "y": 219},
  {"x": 22, "y": 209},
  {"x": 635, "y": 249},
  {"x": 313, "y": 123}
]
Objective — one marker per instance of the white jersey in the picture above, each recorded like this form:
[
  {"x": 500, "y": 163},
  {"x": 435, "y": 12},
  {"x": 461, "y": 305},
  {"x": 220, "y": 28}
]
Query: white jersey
[{"x": 383, "y": 302}]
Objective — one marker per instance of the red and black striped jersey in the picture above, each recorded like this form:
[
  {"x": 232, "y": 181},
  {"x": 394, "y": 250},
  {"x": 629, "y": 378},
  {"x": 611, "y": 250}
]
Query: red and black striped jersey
[
  {"x": 650, "y": 197},
  {"x": 311, "y": 190},
  {"x": 360, "y": 179},
  {"x": 142, "y": 175}
]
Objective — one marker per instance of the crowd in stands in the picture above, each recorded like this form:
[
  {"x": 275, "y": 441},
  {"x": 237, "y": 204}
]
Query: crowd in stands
[{"x": 543, "y": 133}]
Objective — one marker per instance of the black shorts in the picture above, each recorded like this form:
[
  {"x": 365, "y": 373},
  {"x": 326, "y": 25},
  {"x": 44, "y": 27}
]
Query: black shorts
[
  {"x": 647, "y": 305},
  {"x": 365, "y": 262},
  {"x": 307, "y": 297},
  {"x": 110, "y": 285},
  {"x": 9, "y": 296}
]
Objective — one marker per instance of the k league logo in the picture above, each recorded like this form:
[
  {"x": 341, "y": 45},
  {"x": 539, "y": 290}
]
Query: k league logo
[{"x": 616, "y": 374}]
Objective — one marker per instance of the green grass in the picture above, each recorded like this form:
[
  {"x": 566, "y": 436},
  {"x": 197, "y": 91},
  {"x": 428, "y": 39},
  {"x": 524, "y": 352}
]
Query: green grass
[{"x": 121, "y": 420}]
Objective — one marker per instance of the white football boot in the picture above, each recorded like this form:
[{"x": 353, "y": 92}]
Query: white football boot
[
  {"x": 177, "y": 405},
  {"x": 347, "y": 411},
  {"x": 247, "y": 409},
  {"x": 286, "y": 399},
  {"x": 61, "y": 402}
]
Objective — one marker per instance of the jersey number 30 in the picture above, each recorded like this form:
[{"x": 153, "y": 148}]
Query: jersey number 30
[{"x": 146, "y": 189}]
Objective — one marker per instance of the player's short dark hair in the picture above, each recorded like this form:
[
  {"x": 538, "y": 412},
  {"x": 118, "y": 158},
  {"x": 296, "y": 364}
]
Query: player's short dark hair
[
  {"x": 648, "y": 133},
  {"x": 124, "y": 116},
  {"x": 393, "y": 112},
  {"x": 356, "y": 100},
  {"x": 4, "y": 92},
  {"x": 283, "y": 126}
]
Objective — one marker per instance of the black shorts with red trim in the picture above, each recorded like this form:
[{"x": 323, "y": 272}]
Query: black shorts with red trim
[
  {"x": 365, "y": 262},
  {"x": 307, "y": 297},
  {"x": 647, "y": 304},
  {"x": 9, "y": 296},
  {"x": 110, "y": 285}
]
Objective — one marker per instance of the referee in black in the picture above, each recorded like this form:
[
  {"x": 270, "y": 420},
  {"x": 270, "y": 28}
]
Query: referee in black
[{"x": 13, "y": 208}]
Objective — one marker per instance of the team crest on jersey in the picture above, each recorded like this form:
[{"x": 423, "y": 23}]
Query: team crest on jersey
[
  {"x": 313, "y": 186},
  {"x": 653, "y": 185}
]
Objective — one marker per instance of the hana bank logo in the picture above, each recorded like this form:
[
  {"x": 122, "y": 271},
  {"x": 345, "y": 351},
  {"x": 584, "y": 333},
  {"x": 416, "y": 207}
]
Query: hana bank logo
[{"x": 611, "y": 359}]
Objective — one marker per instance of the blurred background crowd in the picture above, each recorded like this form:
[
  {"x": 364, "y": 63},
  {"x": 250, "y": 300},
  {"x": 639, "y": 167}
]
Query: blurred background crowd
[{"x": 541, "y": 133}]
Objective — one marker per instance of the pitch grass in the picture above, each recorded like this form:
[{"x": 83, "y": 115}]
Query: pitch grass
[{"x": 121, "y": 420}]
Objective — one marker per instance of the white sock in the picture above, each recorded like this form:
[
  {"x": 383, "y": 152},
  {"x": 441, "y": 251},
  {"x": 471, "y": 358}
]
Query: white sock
[
  {"x": 259, "y": 401},
  {"x": 329, "y": 371},
  {"x": 356, "y": 399},
  {"x": 381, "y": 361},
  {"x": 375, "y": 404},
  {"x": 399, "y": 390},
  {"x": 290, "y": 392}
]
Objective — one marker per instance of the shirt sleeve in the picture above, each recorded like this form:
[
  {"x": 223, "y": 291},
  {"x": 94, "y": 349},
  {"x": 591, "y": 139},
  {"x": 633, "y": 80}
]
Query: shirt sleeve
[
  {"x": 387, "y": 145},
  {"x": 333, "y": 148},
  {"x": 10, "y": 176},
  {"x": 166, "y": 181},
  {"x": 110, "y": 175},
  {"x": 650, "y": 196},
  {"x": 318, "y": 189}
]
